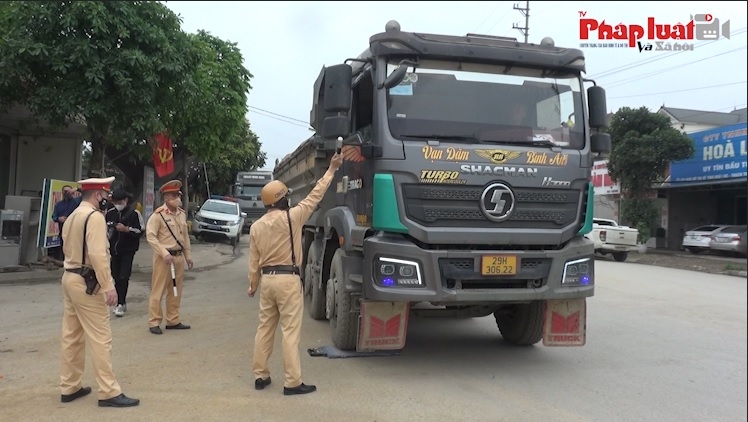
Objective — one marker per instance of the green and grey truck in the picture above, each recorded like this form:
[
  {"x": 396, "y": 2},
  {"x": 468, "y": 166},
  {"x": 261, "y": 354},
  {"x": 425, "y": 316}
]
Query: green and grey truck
[
  {"x": 246, "y": 190},
  {"x": 464, "y": 192}
]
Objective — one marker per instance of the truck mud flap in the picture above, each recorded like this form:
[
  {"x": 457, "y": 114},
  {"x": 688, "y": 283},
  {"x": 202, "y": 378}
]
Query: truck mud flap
[
  {"x": 565, "y": 323},
  {"x": 382, "y": 326}
]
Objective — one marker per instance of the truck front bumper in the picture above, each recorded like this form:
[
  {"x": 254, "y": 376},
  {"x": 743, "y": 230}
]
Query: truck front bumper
[{"x": 400, "y": 271}]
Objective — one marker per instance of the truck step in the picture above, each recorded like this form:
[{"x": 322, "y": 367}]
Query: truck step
[{"x": 358, "y": 278}]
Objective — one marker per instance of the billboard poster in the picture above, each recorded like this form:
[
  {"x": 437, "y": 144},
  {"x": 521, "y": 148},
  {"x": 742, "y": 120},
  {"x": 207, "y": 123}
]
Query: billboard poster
[
  {"x": 149, "y": 192},
  {"x": 720, "y": 156},
  {"x": 601, "y": 180},
  {"x": 48, "y": 235}
]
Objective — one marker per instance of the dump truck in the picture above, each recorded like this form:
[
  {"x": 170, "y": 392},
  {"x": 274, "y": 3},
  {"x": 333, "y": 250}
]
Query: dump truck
[
  {"x": 246, "y": 190},
  {"x": 464, "y": 192}
]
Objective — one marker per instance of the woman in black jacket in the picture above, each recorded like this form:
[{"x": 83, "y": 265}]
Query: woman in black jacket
[{"x": 125, "y": 225}]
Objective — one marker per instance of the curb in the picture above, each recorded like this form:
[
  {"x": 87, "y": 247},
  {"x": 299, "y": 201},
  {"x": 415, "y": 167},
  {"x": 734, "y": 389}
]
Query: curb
[{"x": 743, "y": 274}]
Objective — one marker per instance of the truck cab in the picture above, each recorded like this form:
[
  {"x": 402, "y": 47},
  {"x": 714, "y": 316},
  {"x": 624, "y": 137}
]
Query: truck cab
[
  {"x": 246, "y": 190},
  {"x": 465, "y": 183}
]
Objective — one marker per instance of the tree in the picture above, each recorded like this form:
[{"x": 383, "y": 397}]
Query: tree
[
  {"x": 241, "y": 153},
  {"x": 644, "y": 145},
  {"x": 113, "y": 66}
]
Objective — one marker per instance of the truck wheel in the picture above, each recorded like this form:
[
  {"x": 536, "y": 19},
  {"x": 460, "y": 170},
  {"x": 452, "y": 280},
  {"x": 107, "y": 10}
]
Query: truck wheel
[
  {"x": 523, "y": 324},
  {"x": 316, "y": 307},
  {"x": 343, "y": 323},
  {"x": 620, "y": 256}
]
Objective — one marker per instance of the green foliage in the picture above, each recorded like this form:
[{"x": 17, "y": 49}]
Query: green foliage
[
  {"x": 209, "y": 110},
  {"x": 240, "y": 153},
  {"x": 644, "y": 232},
  {"x": 641, "y": 212},
  {"x": 644, "y": 145},
  {"x": 110, "y": 65}
]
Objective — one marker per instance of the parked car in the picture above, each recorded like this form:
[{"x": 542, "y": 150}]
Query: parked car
[
  {"x": 219, "y": 216},
  {"x": 730, "y": 239},
  {"x": 697, "y": 240},
  {"x": 610, "y": 238}
]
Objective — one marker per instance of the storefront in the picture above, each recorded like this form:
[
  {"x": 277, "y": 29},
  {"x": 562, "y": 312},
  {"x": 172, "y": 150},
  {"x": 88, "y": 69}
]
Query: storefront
[{"x": 711, "y": 187}]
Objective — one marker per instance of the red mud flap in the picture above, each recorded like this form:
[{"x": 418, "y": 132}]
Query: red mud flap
[
  {"x": 382, "y": 326},
  {"x": 565, "y": 323}
]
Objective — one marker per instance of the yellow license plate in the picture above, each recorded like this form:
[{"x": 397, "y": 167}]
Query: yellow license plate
[{"x": 498, "y": 265}]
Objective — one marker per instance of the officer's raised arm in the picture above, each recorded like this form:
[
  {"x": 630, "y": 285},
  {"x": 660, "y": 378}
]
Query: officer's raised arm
[{"x": 305, "y": 208}]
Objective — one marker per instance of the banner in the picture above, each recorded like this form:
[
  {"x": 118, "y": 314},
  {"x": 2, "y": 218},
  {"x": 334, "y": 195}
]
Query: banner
[
  {"x": 149, "y": 192},
  {"x": 48, "y": 235},
  {"x": 604, "y": 185},
  {"x": 163, "y": 155}
]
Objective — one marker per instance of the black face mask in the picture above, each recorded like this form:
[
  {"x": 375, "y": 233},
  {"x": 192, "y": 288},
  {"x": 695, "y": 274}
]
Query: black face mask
[{"x": 103, "y": 203}]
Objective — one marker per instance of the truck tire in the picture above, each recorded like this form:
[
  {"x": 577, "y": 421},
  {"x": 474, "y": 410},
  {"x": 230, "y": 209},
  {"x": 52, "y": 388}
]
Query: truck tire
[
  {"x": 620, "y": 256},
  {"x": 316, "y": 306},
  {"x": 343, "y": 322},
  {"x": 523, "y": 325}
]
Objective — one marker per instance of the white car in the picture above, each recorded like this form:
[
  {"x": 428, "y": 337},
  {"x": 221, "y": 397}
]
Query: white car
[
  {"x": 697, "y": 240},
  {"x": 219, "y": 217}
]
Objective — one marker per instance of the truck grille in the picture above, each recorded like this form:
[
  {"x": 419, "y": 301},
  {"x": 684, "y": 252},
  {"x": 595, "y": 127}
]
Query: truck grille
[
  {"x": 464, "y": 274},
  {"x": 254, "y": 213},
  {"x": 459, "y": 206}
]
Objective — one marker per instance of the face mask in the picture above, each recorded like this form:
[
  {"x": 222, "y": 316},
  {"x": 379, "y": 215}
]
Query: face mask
[
  {"x": 120, "y": 207},
  {"x": 175, "y": 203},
  {"x": 102, "y": 203}
]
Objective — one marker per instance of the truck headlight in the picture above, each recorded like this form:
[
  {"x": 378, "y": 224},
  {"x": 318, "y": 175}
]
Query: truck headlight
[
  {"x": 392, "y": 272},
  {"x": 579, "y": 272}
]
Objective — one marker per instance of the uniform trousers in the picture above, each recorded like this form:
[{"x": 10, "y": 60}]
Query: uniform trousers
[
  {"x": 281, "y": 300},
  {"x": 85, "y": 319},
  {"x": 161, "y": 285}
]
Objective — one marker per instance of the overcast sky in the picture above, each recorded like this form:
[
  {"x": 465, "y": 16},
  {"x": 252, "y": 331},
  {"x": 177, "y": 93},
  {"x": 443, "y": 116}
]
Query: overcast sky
[{"x": 286, "y": 43}]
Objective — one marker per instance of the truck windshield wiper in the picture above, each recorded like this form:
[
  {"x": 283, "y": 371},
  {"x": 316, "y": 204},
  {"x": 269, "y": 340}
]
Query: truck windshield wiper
[
  {"x": 445, "y": 137},
  {"x": 522, "y": 143}
]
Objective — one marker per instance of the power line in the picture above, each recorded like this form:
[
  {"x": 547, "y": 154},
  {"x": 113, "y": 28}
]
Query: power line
[
  {"x": 619, "y": 69},
  {"x": 661, "y": 71},
  {"x": 279, "y": 115},
  {"x": 279, "y": 119},
  {"x": 488, "y": 17},
  {"x": 680, "y": 90}
]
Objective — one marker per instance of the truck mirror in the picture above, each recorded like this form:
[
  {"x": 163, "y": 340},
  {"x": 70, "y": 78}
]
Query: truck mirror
[
  {"x": 337, "y": 95},
  {"x": 395, "y": 77},
  {"x": 336, "y": 126},
  {"x": 598, "y": 107},
  {"x": 601, "y": 143}
]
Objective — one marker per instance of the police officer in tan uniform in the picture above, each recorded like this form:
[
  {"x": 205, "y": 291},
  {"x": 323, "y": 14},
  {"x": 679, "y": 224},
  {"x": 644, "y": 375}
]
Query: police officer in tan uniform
[
  {"x": 273, "y": 259},
  {"x": 85, "y": 319},
  {"x": 167, "y": 234}
]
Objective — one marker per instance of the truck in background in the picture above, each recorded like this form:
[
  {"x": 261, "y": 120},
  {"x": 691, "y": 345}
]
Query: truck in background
[
  {"x": 246, "y": 190},
  {"x": 464, "y": 192}
]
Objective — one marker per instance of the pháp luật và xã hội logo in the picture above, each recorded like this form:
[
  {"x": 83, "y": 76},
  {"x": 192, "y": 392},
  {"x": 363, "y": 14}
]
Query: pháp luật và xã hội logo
[{"x": 652, "y": 36}]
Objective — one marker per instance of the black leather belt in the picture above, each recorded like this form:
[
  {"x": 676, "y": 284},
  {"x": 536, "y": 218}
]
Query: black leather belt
[
  {"x": 175, "y": 253},
  {"x": 281, "y": 269}
]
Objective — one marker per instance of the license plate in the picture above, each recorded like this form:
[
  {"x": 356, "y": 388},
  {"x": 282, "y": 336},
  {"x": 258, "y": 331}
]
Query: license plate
[
  {"x": 694, "y": 237},
  {"x": 620, "y": 248},
  {"x": 214, "y": 228},
  {"x": 498, "y": 265}
]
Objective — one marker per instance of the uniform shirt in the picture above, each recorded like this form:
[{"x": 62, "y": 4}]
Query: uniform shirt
[
  {"x": 269, "y": 239},
  {"x": 160, "y": 238},
  {"x": 97, "y": 244}
]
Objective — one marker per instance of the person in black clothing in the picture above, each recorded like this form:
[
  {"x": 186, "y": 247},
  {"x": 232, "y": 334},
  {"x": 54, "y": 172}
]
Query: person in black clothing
[{"x": 125, "y": 226}]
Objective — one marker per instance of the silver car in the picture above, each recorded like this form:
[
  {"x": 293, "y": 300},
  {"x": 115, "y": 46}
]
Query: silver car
[{"x": 730, "y": 239}]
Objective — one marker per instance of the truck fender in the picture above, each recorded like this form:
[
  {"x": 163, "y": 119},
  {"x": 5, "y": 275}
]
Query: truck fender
[{"x": 340, "y": 220}]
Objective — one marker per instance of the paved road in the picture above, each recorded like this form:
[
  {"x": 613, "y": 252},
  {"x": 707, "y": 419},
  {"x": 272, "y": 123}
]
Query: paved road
[{"x": 663, "y": 345}]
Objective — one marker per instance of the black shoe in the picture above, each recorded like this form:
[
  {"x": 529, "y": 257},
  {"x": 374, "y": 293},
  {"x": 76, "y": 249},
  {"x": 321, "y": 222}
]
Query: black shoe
[
  {"x": 155, "y": 330},
  {"x": 261, "y": 383},
  {"x": 119, "y": 401},
  {"x": 179, "y": 326},
  {"x": 84, "y": 391},
  {"x": 301, "y": 389}
]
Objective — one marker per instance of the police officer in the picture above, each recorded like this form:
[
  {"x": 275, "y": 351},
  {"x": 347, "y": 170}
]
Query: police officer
[
  {"x": 273, "y": 259},
  {"x": 167, "y": 234},
  {"x": 86, "y": 316}
]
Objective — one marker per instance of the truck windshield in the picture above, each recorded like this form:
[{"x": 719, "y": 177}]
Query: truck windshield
[
  {"x": 244, "y": 191},
  {"x": 481, "y": 103}
]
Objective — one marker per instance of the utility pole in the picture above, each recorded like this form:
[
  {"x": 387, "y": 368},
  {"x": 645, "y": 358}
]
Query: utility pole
[{"x": 525, "y": 30}]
